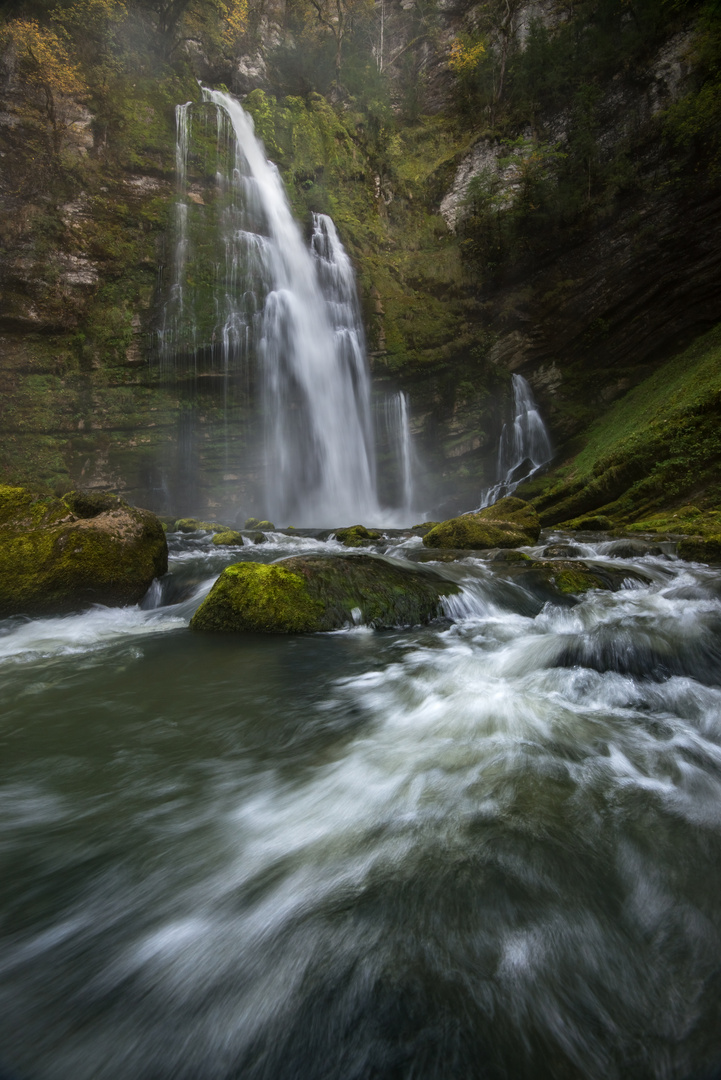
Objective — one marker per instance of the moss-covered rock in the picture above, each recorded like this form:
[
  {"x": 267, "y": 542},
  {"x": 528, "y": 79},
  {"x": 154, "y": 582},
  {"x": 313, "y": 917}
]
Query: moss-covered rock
[
  {"x": 228, "y": 538},
  {"x": 268, "y": 525},
  {"x": 509, "y": 523},
  {"x": 63, "y": 554},
  {"x": 357, "y": 536},
  {"x": 188, "y": 525},
  {"x": 594, "y": 523},
  {"x": 252, "y": 523},
  {"x": 575, "y": 578},
  {"x": 700, "y": 548},
  {"x": 561, "y": 551},
  {"x": 510, "y": 555},
  {"x": 308, "y": 593}
]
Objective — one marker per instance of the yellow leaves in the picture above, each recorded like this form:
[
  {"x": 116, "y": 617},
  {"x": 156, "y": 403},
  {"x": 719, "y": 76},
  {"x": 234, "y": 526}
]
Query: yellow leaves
[
  {"x": 43, "y": 58},
  {"x": 465, "y": 56},
  {"x": 235, "y": 20}
]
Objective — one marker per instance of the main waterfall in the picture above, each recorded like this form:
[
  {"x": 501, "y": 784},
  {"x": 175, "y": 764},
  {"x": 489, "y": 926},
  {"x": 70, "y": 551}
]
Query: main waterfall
[{"x": 294, "y": 311}]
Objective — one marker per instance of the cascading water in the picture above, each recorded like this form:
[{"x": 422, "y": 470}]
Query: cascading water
[
  {"x": 294, "y": 311},
  {"x": 524, "y": 445},
  {"x": 398, "y": 433}
]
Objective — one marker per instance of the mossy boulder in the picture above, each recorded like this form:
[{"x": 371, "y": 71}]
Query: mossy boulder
[
  {"x": 228, "y": 538},
  {"x": 63, "y": 554},
  {"x": 510, "y": 555},
  {"x": 594, "y": 523},
  {"x": 509, "y": 523},
  {"x": 700, "y": 548},
  {"x": 188, "y": 525},
  {"x": 267, "y": 525},
  {"x": 309, "y": 593},
  {"x": 575, "y": 578},
  {"x": 357, "y": 536},
  {"x": 561, "y": 551}
]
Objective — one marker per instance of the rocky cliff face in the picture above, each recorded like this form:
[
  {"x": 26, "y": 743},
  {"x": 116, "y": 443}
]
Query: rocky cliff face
[{"x": 473, "y": 259}]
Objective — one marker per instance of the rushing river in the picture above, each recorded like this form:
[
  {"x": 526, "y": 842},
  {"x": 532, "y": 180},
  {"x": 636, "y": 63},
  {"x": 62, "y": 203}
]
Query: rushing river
[{"x": 490, "y": 848}]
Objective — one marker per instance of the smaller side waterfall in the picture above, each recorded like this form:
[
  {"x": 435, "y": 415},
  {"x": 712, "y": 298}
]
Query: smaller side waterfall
[
  {"x": 401, "y": 448},
  {"x": 524, "y": 445}
]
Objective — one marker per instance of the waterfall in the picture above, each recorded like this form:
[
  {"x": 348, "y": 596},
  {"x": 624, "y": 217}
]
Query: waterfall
[
  {"x": 398, "y": 432},
  {"x": 266, "y": 299},
  {"x": 524, "y": 445}
]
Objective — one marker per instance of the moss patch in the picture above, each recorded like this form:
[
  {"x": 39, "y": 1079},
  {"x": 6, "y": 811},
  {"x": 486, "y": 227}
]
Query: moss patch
[
  {"x": 651, "y": 449},
  {"x": 53, "y": 560},
  {"x": 357, "y": 536},
  {"x": 509, "y": 523},
  {"x": 311, "y": 593}
]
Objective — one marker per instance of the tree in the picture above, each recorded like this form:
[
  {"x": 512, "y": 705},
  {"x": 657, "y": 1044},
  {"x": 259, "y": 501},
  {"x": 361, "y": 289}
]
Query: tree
[
  {"x": 45, "y": 64},
  {"x": 337, "y": 18}
]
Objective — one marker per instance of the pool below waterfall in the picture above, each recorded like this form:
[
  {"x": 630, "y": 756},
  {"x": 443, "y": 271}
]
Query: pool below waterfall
[{"x": 489, "y": 848}]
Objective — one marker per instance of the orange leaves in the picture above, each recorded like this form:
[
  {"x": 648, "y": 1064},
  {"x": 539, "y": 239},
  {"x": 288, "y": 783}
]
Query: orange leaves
[
  {"x": 465, "y": 56},
  {"x": 43, "y": 58}
]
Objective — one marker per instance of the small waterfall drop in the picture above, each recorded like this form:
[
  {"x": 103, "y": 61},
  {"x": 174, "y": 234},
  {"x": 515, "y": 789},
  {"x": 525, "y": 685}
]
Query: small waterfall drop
[
  {"x": 524, "y": 445},
  {"x": 291, "y": 309},
  {"x": 397, "y": 424}
]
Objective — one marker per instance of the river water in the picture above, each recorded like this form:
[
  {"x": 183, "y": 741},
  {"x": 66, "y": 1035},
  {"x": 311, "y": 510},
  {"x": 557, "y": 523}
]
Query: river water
[{"x": 488, "y": 848}]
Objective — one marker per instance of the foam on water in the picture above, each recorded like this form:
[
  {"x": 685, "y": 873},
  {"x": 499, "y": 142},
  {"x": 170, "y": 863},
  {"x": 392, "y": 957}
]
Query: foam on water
[{"x": 506, "y": 865}]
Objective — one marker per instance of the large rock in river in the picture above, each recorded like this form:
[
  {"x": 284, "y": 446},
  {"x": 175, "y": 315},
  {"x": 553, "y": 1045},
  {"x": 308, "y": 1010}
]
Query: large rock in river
[
  {"x": 509, "y": 523},
  {"x": 63, "y": 554},
  {"x": 306, "y": 593}
]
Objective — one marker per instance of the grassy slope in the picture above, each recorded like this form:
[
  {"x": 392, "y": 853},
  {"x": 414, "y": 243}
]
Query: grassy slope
[{"x": 656, "y": 449}]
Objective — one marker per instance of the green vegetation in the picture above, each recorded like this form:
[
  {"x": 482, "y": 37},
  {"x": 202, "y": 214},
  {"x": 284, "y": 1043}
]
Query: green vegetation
[
  {"x": 357, "y": 536},
  {"x": 312, "y": 593},
  {"x": 60, "y": 555},
  {"x": 228, "y": 538},
  {"x": 509, "y": 523},
  {"x": 648, "y": 451}
]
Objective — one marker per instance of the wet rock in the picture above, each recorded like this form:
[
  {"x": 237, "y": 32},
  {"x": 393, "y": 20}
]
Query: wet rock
[
  {"x": 357, "y": 536},
  {"x": 510, "y": 555},
  {"x": 561, "y": 551},
  {"x": 228, "y": 538},
  {"x": 700, "y": 548},
  {"x": 509, "y": 523},
  {"x": 578, "y": 577},
  {"x": 309, "y": 593},
  {"x": 188, "y": 525},
  {"x": 63, "y": 554},
  {"x": 267, "y": 525},
  {"x": 258, "y": 537},
  {"x": 631, "y": 549}
]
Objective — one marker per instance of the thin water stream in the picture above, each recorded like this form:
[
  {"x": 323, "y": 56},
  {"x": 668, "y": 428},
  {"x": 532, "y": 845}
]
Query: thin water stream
[{"x": 489, "y": 848}]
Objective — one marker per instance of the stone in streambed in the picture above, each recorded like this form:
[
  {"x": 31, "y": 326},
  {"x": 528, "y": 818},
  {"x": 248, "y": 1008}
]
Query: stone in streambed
[
  {"x": 188, "y": 525},
  {"x": 700, "y": 549},
  {"x": 228, "y": 538},
  {"x": 509, "y": 523},
  {"x": 357, "y": 536},
  {"x": 309, "y": 593},
  {"x": 63, "y": 554},
  {"x": 575, "y": 578}
]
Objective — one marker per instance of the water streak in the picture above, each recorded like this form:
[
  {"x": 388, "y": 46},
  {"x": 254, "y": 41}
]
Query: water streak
[{"x": 524, "y": 445}]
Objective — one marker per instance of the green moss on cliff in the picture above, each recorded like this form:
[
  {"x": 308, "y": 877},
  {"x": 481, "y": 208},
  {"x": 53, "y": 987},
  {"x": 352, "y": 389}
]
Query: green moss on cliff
[
  {"x": 509, "y": 523},
  {"x": 651, "y": 449}
]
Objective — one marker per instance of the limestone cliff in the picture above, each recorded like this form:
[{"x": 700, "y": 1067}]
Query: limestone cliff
[{"x": 551, "y": 209}]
